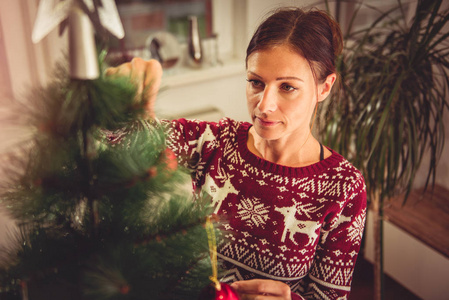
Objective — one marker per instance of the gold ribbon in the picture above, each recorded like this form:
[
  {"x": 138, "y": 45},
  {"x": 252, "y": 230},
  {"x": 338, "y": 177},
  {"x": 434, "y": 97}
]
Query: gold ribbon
[{"x": 213, "y": 252}]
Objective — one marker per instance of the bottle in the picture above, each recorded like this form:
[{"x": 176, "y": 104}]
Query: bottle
[{"x": 195, "y": 50}]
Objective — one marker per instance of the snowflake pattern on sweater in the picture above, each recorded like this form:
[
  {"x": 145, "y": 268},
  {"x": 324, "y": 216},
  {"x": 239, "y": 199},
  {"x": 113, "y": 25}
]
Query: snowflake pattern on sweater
[{"x": 302, "y": 226}]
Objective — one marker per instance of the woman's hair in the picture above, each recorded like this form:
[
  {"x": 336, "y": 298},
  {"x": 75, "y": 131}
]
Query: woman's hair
[{"x": 313, "y": 34}]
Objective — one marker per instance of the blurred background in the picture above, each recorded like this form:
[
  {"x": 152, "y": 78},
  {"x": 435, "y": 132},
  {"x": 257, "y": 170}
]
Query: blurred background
[{"x": 202, "y": 44}]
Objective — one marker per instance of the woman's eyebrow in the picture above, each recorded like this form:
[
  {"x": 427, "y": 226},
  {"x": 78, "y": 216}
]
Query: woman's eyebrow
[
  {"x": 290, "y": 78},
  {"x": 254, "y": 74},
  {"x": 279, "y": 78}
]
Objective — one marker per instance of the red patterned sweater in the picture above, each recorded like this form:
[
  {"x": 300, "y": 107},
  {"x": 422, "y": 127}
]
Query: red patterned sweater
[{"x": 302, "y": 226}]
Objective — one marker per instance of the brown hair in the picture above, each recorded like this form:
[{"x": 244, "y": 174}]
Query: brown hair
[{"x": 314, "y": 34}]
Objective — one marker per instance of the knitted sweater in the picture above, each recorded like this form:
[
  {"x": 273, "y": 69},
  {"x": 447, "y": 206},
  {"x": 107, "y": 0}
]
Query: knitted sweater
[{"x": 302, "y": 226}]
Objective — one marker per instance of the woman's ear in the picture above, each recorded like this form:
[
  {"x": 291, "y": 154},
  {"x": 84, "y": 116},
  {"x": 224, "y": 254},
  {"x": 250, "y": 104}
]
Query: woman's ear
[{"x": 326, "y": 87}]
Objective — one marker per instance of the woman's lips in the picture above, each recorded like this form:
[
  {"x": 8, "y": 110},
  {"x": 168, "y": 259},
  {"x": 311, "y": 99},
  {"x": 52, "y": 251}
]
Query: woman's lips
[{"x": 266, "y": 123}]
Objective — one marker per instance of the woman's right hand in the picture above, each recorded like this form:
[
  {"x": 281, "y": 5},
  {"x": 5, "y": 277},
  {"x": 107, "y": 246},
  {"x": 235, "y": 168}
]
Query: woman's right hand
[{"x": 146, "y": 74}]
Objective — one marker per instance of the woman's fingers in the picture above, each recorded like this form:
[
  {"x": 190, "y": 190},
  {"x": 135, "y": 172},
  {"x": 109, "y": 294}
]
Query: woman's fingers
[
  {"x": 121, "y": 70},
  {"x": 262, "y": 289},
  {"x": 152, "y": 83},
  {"x": 146, "y": 75}
]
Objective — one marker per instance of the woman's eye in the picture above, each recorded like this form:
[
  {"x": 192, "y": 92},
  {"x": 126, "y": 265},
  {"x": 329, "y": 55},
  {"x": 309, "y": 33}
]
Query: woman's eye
[
  {"x": 255, "y": 83},
  {"x": 287, "y": 88}
]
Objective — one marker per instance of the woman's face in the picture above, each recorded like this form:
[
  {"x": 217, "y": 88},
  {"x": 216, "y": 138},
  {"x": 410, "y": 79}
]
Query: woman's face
[{"x": 281, "y": 93}]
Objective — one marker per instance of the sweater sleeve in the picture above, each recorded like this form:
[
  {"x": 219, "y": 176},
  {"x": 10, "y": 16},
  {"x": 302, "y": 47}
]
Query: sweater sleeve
[
  {"x": 190, "y": 140},
  {"x": 331, "y": 273}
]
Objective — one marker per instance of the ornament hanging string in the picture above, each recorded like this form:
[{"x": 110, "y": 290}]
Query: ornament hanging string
[{"x": 213, "y": 252}]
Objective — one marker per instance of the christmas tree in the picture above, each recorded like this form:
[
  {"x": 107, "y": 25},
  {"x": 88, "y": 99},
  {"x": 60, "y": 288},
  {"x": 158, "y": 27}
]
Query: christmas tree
[{"x": 100, "y": 202}]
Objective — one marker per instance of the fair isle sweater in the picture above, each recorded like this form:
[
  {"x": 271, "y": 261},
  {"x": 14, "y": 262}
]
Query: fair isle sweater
[{"x": 302, "y": 226}]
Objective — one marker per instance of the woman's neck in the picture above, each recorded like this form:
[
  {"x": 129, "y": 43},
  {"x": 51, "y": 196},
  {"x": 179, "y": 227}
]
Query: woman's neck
[{"x": 299, "y": 152}]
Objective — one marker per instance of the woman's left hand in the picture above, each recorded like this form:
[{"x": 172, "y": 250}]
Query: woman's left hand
[{"x": 262, "y": 289}]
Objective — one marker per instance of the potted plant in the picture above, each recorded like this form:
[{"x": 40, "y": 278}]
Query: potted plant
[{"x": 389, "y": 110}]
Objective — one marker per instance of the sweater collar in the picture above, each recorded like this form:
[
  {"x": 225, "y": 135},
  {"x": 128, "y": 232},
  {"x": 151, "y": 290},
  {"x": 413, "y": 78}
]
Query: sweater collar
[{"x": 317, "y": 168}]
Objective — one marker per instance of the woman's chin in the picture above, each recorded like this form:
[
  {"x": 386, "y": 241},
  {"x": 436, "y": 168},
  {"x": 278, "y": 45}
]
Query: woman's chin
[{"x": 267, "y": 133}]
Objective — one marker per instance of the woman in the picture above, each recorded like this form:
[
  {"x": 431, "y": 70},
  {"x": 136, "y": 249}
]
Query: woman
[{"x": 295, "y": 210}]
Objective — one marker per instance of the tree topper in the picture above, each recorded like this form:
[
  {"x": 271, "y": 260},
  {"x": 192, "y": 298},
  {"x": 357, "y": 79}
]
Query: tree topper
[{"x": 81, "y": 17}]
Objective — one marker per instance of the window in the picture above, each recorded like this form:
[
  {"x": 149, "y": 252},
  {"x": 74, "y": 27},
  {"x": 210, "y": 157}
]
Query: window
[{"x": 144, "y": 18}]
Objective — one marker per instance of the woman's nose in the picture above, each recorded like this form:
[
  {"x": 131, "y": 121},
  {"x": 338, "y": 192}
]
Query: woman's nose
[{"x": 268, "y": 102}]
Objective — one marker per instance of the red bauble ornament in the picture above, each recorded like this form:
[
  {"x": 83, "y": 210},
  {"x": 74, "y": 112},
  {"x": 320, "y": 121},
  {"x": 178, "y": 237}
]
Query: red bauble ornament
[
  {"x": 169, "y": 157},
  {"x": 226, "y": 292},
  {"x": 124, "y": 289}
]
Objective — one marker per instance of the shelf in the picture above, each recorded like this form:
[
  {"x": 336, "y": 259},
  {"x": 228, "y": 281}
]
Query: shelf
[
  {"x": 424, "y": 216},
  {"x": 184, "y": 76}
]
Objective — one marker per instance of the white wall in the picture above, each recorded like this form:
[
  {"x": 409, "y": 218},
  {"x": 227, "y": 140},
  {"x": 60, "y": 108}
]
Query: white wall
[
  {"x": 442, "y": 174},
  {"x": 416, "y": 266},
  {"x": 28, "y": 63}
]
